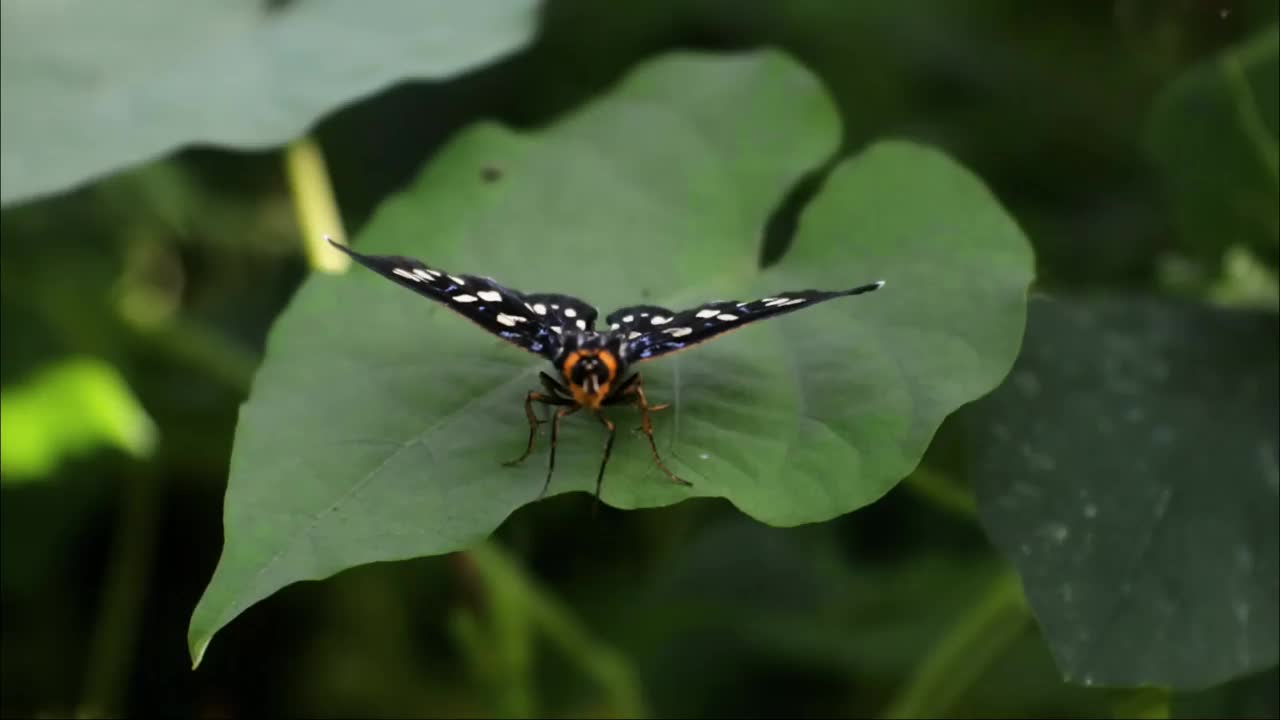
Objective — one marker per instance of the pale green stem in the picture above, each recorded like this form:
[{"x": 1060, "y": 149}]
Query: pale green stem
[
  {"x": 211, "y": 352},
  {"x": 1142, "y": 704},
  {"x": 603, "y": 664},
  {"x": 314, "y": 205},
  {"x": 1249, "y": 113},
  {"x": 977, "y": 638},
  {"x": 115, "y": 633},
  {"x": 942, "y": 492}
]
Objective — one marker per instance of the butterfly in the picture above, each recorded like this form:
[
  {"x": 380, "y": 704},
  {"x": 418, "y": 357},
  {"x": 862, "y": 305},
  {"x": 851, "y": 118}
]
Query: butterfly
[{"x": 595, "y": 366}]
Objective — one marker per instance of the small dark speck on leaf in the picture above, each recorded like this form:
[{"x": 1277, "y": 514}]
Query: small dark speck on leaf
[{"x": 490, "y": 173}]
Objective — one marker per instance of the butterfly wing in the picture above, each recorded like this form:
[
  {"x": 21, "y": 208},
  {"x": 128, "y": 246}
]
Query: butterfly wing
[
  {"x": 651, "y": 331},
  {"x": 504, "y": 312},
  {"x": 562, "y": 311}
]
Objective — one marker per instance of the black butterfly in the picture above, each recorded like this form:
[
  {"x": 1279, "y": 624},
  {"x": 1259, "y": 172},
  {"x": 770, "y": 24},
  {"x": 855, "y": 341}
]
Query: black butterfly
[{"x": 594, "y": 365}]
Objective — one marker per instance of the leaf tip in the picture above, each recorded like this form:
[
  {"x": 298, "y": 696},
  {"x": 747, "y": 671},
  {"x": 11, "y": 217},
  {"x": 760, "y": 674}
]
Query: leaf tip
[{"x": 197, "y": 652}]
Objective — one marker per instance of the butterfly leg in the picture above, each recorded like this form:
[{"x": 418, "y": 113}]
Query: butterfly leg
[
  {"x": 534, "y": 422},
  {"x": 637, "y": 392},
  {"x": 555, "y": 430},
  {"x": 555, "y": 395},
  {"x": 608, "y": 448}
]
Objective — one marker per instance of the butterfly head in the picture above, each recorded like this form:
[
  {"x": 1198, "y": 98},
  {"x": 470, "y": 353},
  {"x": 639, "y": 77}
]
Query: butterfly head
[{"x": 591, "y": 364}]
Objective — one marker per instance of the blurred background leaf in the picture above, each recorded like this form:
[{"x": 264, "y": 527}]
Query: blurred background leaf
[
  {"x": 1253, "y": 695},
  {"x": 90, "y": 89},
  {"x": 1214, "y": 133},
  {"x": 1128, "y": 469},
  {"x": 69, "y": 409}
]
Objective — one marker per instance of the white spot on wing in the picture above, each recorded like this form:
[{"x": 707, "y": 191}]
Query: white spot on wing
[
  {"x": 540, "y": 309},
  {"x": 629, "y": 318},
  {"x": 678, "y": 331},
  {"x": 776, "y": 302},
  {"x": 570, "y": 312},
  {"x": 582, "y": 324},
  {"x": 424, "y": 274},
  {"x": 710, "y": 312},
  {"x": 510, "y": 320},
  {"x": 614, "y": 326},
  {"x": 796, "y": 301},
  {"x": 633, "y": 335},
  {"x": 464, "y": 298},
  {"x": 405, "y": 274},
  {"x": 489, "y": 295},
  {"x": 457, "y": 279},
  {"x": 659, "y": 320},
  {"x": 726, "y": 317}
]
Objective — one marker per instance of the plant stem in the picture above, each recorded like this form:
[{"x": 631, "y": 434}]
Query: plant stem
[
  {"x": 207, "y": 350},
  {"x": 1142, "y": 704},
  {"x": 975, "y": 640},
  {"x": 605, "y": 665},
  {"x": 115, "y": 633},
  {"x": 314, "y": 205},
  {"x": 942, "y": 492},
  {"x": 1248, "y": 111}
]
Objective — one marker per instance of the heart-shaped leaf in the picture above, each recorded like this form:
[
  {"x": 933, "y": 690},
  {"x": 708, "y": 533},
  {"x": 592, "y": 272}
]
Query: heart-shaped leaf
[
  {"x": 88, "y": 88},
  {"x": 1128, "y": 470},
  {"x": 379, "y": 421}
]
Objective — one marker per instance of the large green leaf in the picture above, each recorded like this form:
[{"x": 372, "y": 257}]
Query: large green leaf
[
  {"x": 378, "y": 422},
  {"x": 1215, "y": 135},
  {"x": 88, "y": 88},
  {"x": 1128, "y": 469}
]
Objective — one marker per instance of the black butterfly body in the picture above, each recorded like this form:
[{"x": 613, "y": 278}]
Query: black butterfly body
[{"x": 594, "y": 364}]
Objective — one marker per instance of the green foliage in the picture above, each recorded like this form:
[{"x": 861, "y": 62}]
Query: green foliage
[
  {"x": 902, "y": 507},
  {"x": 90, "y": 89},
  {"x": 1215, "y": 135},
  {"x": 1128, "y": 505},
  {"x": 400, "y": 454},
  {"x": 65, "y": 411}
]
